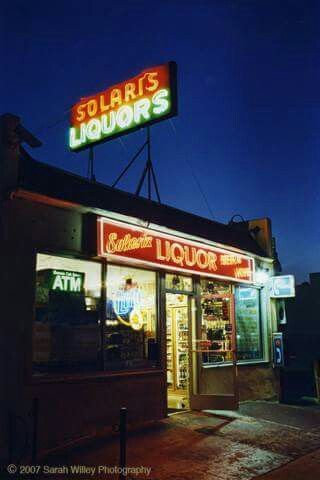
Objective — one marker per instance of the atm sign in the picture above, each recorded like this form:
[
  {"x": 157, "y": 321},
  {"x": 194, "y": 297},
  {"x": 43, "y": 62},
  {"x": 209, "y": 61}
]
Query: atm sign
[{"x": 67, "y": 281}]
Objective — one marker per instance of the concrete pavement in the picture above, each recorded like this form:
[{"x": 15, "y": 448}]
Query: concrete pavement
[
  {"x": 304, "y": 468},
  {"x": 266, "y": 441}
]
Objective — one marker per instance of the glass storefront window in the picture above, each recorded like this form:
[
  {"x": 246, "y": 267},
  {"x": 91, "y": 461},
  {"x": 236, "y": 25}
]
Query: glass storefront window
[
  {"x": 70, "y": 334},
  {"x": 66, "y": 333},
  {"x": 130, "y": 333},
  {"x": 215, "y": 288},
  {"x": 249, "y": 342},
  {"x": 178, "y": 282},
  {"x": 216, "y": 322}
]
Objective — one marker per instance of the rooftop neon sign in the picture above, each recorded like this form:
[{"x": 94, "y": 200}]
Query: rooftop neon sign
[{"x": 142, "y": 100}]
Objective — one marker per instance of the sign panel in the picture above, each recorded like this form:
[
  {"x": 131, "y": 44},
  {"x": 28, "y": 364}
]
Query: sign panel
[
  {"x": 145, "y": 99},
  {"x": 119, "y": 240},
  {"x": 61, "y": 280},
  {"x": 282, "y": 286},
  {"x": 277, "y": 347},
  {"x": 67, "y": 281}
]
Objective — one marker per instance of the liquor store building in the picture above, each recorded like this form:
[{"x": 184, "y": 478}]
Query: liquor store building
[{"x": 112, "y": 300}]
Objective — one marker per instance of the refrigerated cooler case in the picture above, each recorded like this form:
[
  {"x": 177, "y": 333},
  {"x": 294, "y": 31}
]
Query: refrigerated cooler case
[
  {"x": 177, "y": 344},
  {"x": 216, "y": 328}
]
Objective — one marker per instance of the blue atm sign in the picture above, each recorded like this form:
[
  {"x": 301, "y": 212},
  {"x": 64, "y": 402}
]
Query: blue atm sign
[{"x": 282, "y": 286}]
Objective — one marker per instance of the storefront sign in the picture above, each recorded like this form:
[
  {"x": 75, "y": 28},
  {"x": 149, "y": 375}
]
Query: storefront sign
[
  {"x": 145, "y": 99},
  {"x": 282, "y": 286},
  {"x": 118, "y": 240},
  {"x": 60, "y": 281},
  {"x": 67, "y": 281}
]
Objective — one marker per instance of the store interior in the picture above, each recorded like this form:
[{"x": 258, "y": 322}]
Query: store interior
[{"x": 177, "y": 351}]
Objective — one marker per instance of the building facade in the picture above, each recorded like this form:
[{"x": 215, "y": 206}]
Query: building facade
[
  {"x": 112, "y": 300},
  {"x": 300, "y": 376}
]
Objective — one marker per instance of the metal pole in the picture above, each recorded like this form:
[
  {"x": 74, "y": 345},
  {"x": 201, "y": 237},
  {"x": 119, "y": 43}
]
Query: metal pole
[
  {"x": 123, "y": 440},
  {"x": 129, "y": 164},
  {"x": 149, "y": 163},
  {"x": 142, "y": 179},
  {"x": 148, "y": 170},
  {"x": 11, "y": 436},
  {"x": 90, "y": 172},
  {"x": 155, "y": 183},
  {"x": 89, "y": 164},
  {"x": 35, "y": 415},
  {"x": 149, "y": 182}
]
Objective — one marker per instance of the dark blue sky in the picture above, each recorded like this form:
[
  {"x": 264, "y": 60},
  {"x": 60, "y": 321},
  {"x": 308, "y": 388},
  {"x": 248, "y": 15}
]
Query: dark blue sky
[{"x": 248, "y": 124}]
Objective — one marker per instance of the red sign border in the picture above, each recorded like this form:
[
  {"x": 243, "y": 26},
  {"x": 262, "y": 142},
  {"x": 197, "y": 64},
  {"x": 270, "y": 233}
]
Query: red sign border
[
  {"x": 172, "y": 68},
  {"x": 102, "y": 253}
]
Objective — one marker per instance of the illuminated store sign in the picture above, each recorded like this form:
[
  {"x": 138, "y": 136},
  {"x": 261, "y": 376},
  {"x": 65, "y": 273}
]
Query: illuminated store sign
[
  {"x": 66, "y": 281},
  {"x": 145, "y": 99},
  {"x": 126, "y": 305},
  {"x": 118, "y": 240},
  {"x": 282, "y": 286},
  {"x": 125, "y": 301}
]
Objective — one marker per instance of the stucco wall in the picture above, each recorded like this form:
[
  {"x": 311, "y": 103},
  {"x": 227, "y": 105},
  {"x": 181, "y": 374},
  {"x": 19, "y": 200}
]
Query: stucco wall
[{"x": 258, "y": 383}]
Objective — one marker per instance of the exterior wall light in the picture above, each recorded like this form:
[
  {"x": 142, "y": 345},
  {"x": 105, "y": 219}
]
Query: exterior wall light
[{"x": 262, "y": 277}]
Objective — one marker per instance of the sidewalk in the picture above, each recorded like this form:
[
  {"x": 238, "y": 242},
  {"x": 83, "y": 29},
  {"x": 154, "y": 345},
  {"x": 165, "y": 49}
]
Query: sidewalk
[
  {"x": 305, "y": 468},
  {"x": 204, "y": 446},
  {"x": 262, "y": 441}
]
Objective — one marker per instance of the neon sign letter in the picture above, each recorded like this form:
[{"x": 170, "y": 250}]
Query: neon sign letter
[{"x": 145, "y": 99}]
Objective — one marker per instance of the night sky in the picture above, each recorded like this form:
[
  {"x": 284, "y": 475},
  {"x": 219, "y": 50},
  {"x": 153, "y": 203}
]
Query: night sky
[{"x": 248, "y": 125}]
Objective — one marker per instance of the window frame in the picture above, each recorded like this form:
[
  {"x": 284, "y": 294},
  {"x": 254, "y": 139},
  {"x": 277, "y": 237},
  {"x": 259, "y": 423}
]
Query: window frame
[
  {"x": 100, "y": 372},
  {"x": 262, "y": 320},
  {"x": 160, "y": 321},
  {"x": 30, "y": 376},
  {"x": 176, "y": 290},
  {"x": 231, "y": 297},
  {"x": 158, "y": 325},
  {"x": 262, "y": 359}
]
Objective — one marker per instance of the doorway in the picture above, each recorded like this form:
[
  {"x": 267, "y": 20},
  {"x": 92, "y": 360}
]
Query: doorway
[{"x": 177, "y": 339}]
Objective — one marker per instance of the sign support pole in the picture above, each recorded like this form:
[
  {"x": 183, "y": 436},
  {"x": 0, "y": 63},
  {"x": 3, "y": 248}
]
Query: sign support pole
[
  {"x": 149, "y": 163},
  {"x": 129, "y": 164},
  {"x": 148, "y": 169},
  {"x": 90, "y": 173}
]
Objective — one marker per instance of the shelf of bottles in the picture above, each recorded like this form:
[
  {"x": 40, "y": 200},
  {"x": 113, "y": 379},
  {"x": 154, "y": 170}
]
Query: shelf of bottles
[
  {"x": 177, "y": 348},
  {"x": 181, "y": 327},
  {"x": 216, "y": 340},
  {"x": 170, "y": 377}
]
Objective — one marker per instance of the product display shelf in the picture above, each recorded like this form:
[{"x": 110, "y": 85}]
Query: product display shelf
[
  {"x": 177, "y": 348},
  {"x": 217, "y": 329},
  {"x": 181, "y": 324},
  {"x": 170, "y": 366}
]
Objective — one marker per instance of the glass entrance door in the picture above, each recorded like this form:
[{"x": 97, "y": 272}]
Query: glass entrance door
[
  {"x": 177, "y": 308},
  {"x": 213, "y": 367}
]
